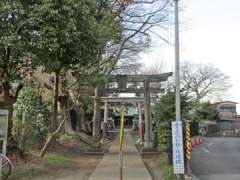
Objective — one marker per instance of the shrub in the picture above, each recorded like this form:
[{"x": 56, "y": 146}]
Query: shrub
[
  {"x": 164, "y": 114},
  {"x": 30, "y": 122}
]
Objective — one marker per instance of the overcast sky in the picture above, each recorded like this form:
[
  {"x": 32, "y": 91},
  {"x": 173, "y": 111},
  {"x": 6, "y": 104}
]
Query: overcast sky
[{"x": 210, "y": 33}]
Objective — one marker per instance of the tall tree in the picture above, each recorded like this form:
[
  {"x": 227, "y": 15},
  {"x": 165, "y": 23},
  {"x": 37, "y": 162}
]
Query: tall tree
[
  {"x": 63, "y": 38},
  {"x": 15, "y": 60},
  {"x": 203, "y": 80},
  {"x": 106, "y": 29}
]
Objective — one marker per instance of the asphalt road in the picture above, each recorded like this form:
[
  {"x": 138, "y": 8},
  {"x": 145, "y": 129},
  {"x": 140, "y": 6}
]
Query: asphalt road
[{"x": 217, "y": 159}]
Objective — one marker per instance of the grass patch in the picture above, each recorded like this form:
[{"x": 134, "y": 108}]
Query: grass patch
[
  {"x": 58, "y": 160},
  {"x": 168, "y": 173},
  {"x": 63, "y": 138},
  {"x": 28, "y": 173}
]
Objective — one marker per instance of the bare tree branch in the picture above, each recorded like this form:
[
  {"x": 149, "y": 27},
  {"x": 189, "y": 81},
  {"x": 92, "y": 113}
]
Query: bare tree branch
[{"x": 201, "y": 80}]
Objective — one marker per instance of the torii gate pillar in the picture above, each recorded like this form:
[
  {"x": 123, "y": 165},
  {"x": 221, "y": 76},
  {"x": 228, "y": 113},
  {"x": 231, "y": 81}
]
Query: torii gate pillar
[
  {"x": 140, "y": 123},
  {"x": 105, "y": 121},
  {"x": 148, "y": 117}
]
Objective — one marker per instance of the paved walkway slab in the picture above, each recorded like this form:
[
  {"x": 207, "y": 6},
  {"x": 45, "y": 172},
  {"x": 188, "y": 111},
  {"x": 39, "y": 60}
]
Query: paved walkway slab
[{"x": 133, "y": 166}]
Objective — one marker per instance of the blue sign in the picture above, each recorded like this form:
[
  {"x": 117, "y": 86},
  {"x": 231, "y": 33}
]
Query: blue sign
[{"x": 177, "y": 140}]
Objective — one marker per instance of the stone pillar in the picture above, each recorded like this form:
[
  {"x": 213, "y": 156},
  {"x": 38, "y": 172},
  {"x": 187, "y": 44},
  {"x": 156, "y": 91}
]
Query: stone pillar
[
  {"x": 140, "y": 123},
  {"x": 105, "y": 120},
  {"x": 96, "y": 116},
  {"x": 148, "y": 119},
  {"x": 140, "y": 112}
]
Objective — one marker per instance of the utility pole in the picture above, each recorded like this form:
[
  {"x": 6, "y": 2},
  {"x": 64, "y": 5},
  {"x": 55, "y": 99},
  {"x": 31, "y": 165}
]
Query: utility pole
[
  {"x": 177, "y": 77},
  {"x": 177, "y": 63}
]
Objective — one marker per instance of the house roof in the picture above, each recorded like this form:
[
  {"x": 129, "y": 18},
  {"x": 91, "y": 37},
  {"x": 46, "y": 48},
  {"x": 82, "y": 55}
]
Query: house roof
[{"x": 226, "y": 102}]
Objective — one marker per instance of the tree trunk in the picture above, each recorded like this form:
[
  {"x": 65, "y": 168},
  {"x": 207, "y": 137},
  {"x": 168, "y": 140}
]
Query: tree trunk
[
  {"x": 83, "y": 137},
  {"x": 80, "y": 118},
  {"x": 96, "y": 116},
  {"x": 55, "y": 103},
  {"x": 87, "y": 124},
  {"x": 22, "y": 142},
  {"x": 50, "y": 138},
  {"x": 65, "y": 109},
  {"x": 68, "y": 125}
]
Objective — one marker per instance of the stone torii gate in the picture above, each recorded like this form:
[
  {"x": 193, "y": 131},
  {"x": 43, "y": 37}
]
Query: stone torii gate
[
  {"x": 134, "y": 100},
  {"x": 122, "y": 81}
]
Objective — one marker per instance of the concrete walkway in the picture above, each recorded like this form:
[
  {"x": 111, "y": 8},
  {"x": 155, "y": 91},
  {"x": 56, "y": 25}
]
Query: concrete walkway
[{"x": 133, "y": 166}]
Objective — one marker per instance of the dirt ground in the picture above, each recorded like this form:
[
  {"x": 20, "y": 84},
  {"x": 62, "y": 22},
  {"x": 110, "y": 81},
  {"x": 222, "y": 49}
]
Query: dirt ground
[
  {"x": 67, "y": 161},
  {"x": 54, "y": 167}
]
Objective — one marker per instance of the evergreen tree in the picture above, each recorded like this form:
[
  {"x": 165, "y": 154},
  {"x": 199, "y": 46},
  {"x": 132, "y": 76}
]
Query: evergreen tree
[
  {"x": 65, "y": 37},
  {"x": 15, "y": 60},
  {"x": 164, "y": 114}
]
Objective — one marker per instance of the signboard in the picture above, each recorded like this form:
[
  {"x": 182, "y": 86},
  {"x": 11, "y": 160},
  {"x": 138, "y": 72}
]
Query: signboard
[
  {"x": 3, "y": 134},
  {"x": 3, "y": 129},
  {"x": 177, "y": 140},
  {"x": 3, "y": 123}
]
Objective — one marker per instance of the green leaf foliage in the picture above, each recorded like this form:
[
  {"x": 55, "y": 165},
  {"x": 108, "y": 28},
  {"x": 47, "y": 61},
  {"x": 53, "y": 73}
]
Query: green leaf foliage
[
  {"x": 164, "y": 114},
  {"x": 65, "y": 34},
  {"x": 14, "y": 55},
  {"x": 31, "y": 120},
  {"x": 204, "y": 111}
]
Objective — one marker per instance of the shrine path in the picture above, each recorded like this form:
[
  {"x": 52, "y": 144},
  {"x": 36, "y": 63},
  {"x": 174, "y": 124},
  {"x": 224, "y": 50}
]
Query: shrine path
[{"x": 133, "y": 166}]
